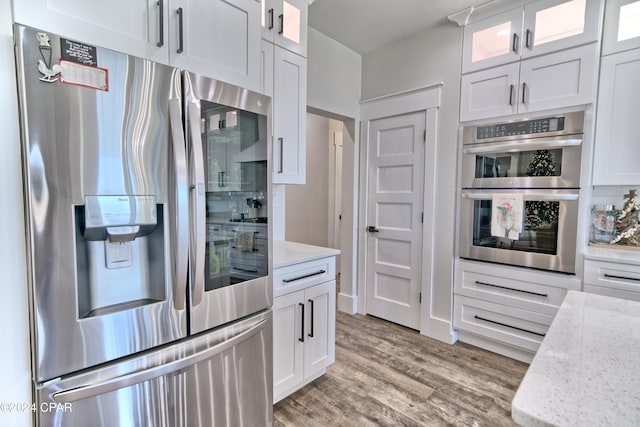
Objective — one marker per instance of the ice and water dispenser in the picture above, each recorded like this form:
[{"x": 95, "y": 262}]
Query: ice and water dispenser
[{"x": 120, "y": 256}]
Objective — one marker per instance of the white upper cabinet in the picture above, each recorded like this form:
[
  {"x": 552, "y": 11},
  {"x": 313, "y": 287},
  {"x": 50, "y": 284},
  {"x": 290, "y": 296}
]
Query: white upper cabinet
[
  {"x": 289, "y": 117},
  {"x": 217, "y": 38},
  {"x": 557, "y": 80},
  {"x": 540, "y": 27},
  {"x": 135, "y": 27},
  {"x": 284, "y": 22},
  {"x": 617, "y": 142},
  {"x": 621, "y": 26}
]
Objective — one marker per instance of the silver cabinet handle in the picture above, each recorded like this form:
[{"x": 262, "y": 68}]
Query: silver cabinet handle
[
  {"x": 512, "y": 289},
  {"x": 613, "y": 276},
  {"x": 511, "y": 89},
  {"x": 180, "y": 246},
  {"x": 514, "y": 44},
  {"x": 271, "y": 19},
  {"x": 527, "y": 39},
  {"x": 180, "y": 31},
  {"x": 524, "y": 92},
  {"x": 160, "y": 4},
  {"x": 280, "y": 167},
  {"x": 508, "y": 326},
  {"x": 198, "y": 205},
  {"x": 306, "y": 276},
  {"x": 281, "y": 18},
  {"x": 83, "y": 392}
]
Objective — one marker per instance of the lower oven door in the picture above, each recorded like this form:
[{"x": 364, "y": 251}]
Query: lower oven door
[{"x": 544, "y": 234}]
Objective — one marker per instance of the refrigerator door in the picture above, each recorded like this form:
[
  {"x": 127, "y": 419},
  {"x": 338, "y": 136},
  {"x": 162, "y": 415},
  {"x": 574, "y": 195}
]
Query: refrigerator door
[
  {"x": 228, "y": 134},
  {"x": 219, "y": 378},
  {"x": 105, "y": 185}
]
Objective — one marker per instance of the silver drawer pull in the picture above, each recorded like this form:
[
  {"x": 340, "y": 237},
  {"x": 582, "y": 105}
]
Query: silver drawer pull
[
  {"x": 508, "y": 326},
  {"x": 303, "y": 277},
  {"x": 512, "y": 289},
  {"x": 611, "y": 276}
]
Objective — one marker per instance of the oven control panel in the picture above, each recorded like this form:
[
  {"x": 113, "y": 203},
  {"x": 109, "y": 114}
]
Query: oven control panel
[{"x": 549, "y": 124}]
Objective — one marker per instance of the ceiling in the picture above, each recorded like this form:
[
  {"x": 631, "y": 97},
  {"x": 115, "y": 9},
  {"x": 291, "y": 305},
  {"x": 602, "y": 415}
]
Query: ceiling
[{"x": 366, "y": 25}]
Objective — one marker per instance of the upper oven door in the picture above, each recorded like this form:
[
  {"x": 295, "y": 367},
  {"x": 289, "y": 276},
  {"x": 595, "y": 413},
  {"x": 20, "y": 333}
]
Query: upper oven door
[{"x": 551, "y": 162}]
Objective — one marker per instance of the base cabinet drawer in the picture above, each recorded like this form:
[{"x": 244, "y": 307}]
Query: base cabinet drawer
[
  {"x": 299, "y": 276},
  {"x": 513, "y": 326},
  {"x": 496, "y": 286},
  {"x": 612, "y": 279}
]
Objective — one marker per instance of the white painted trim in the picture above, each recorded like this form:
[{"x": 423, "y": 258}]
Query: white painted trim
[
  {"x": 423, "y": 99},
  {"x": 401, "y": 93},
  {"x": 439, "y": 329},
  {"x": 347, "y": 303},
  {"x": 496, "y": 347}
]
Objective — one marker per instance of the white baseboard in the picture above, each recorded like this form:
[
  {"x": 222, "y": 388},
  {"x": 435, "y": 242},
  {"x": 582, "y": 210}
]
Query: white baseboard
[
  {"x": 496, "y": 347},
  {"x": 347, "y": 303},
  {"x": 440, "y": 330}
]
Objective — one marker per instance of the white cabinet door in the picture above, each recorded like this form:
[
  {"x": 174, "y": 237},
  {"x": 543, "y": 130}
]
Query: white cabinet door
[
  {"x": 621, "y": 30},
  {"x": 135, "y": 27},
  {"x": 558, "y": 80},
  {"x": 284, "y": 22},
  {"x": 320, "y": 337},
  {"x": 492, "y": 41},
  {"x": 551, "y": 25},
  {"x": 289, "y": 116},
  {"x": 218, "y": 39},
  {"x": 288, "y": 349},
  {"x": 617, "y": 142},
  {"x": 489, "y": 93}
]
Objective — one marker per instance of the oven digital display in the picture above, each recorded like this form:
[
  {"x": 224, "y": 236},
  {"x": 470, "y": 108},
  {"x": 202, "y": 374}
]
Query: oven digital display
[{"x": 551, "y": 124}]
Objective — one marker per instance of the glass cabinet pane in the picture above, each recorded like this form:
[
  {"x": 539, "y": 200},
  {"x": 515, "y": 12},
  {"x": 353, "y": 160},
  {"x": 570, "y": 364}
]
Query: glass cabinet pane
[
  {"x": 629, "y": 21},
  {"x": 559, "y": 22},
  {"x": 291, "y": 23},
  {"x": 491, "y": 42}
]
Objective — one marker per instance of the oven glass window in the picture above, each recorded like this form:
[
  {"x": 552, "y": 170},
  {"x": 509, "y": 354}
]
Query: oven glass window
[
  {"x": 539, "y": 227},
  {"x": 519, "y": 164}
]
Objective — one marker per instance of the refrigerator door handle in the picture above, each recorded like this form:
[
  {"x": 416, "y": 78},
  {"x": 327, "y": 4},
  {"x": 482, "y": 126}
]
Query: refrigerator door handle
[
  {"x": 92, "y": 390},
  {"x": 198, "y": 197},
  {"x": 180, "y": 247}
]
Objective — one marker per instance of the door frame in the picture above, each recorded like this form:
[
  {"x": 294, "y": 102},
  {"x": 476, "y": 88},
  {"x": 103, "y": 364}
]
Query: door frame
[{"x": 425, "y": 99}]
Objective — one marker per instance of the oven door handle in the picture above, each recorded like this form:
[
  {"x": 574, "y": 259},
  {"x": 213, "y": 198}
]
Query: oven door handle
[
  {"x": 521, "y": 145},
  {"x": 529, "y": 195}
]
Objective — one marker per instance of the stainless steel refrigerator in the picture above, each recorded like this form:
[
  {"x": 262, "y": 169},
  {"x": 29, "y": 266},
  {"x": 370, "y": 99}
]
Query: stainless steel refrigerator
[{"x": 149, "y": 287}]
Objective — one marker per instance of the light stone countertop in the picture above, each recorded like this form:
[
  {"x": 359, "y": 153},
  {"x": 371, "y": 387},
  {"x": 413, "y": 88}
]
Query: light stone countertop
[
  {"x": 587, "y": 370},
  {"x": 288, "y": 253}
]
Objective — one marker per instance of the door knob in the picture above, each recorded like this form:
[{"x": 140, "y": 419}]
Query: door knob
[{"x": 372, "y": 229}]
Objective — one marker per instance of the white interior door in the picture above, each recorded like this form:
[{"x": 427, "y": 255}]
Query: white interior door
[{"x": 394, "y": 217}]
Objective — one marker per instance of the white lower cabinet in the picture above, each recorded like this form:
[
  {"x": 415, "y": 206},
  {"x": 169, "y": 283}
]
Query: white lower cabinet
[
  {"x": 614, "y": 279},
  {"x": 506, "y": 309},
  {"x": 303, "y": 329}
]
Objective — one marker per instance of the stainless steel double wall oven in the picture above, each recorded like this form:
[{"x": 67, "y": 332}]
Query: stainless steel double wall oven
[{"x": 519, "y": 192}]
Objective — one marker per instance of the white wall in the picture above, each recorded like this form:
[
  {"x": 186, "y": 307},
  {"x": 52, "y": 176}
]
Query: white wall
[
  {"x": 307, "y": 214},
  {"x": 424, "y": 59},
  {"x": 334, "y": 85},
  {"x": 15, "y": 381},
  {"x": 334, "y": 76}
]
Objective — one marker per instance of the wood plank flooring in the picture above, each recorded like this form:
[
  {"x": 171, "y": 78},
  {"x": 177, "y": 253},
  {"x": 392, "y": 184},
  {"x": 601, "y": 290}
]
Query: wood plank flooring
[{"x": 388, "y": 375}]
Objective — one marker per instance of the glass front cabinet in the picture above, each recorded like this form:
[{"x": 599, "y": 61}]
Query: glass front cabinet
[{"x": 535, "y": 29}]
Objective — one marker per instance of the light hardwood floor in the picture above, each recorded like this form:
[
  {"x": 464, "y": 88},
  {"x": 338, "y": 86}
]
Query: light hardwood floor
[{"x": 388, "y": 375}]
